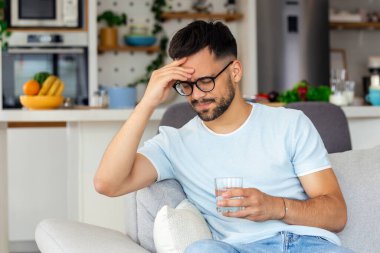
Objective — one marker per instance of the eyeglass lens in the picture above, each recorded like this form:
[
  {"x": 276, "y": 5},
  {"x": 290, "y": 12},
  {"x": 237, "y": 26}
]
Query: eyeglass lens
[{"x": 205, "y": 84}]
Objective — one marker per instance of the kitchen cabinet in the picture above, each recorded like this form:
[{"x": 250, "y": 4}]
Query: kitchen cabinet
[
  {"x": 50, "y": 170},
  {"x": 37, "y": 179}
]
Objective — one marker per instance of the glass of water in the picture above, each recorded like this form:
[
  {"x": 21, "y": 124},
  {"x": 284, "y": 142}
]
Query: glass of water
[{"x": 223, "y": 184}]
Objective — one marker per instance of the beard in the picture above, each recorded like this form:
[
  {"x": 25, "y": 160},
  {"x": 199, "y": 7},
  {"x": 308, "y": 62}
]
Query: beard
[{"x": 222, "y": 105}]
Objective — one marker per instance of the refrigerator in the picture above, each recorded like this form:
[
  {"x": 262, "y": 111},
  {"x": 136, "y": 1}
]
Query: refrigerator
[{"x": 293, "y": 43}]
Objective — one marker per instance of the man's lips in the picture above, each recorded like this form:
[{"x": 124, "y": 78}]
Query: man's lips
[{"x": 202, "y": 105}]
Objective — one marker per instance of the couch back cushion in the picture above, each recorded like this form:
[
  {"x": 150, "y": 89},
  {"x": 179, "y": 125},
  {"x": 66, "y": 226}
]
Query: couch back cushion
[
  {"x": 358, "y": 173},
  {"x": 148, "y": 202}
]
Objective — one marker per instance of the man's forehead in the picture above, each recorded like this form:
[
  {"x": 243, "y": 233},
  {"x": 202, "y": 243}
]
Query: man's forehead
[
  {"x": 202, "y": 55},
  {"x": 202, "y": 63},
  {"x": 201, "y": 70}
]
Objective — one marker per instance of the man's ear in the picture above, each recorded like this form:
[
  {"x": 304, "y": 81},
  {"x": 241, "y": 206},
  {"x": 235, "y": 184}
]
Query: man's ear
[{"x": 237, "y": 71}]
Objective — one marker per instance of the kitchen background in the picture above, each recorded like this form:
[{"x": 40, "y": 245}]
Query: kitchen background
[
  {"x": 38, "y": 182},
  {"x": 358, "y": 44},
  {"x": 122, "y": 68}
]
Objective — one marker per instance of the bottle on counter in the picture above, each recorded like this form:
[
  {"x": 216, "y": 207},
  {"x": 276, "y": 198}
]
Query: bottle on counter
[
  {"x": 101, "y": 98},
  {"x": 374, "y": 70}
]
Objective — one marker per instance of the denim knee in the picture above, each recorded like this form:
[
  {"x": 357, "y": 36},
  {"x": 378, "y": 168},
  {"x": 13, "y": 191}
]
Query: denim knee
[{"x": 209, "y": 245}]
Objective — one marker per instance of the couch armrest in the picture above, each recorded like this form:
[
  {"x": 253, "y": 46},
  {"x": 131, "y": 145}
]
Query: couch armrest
[{"x": 61, "y": 236}]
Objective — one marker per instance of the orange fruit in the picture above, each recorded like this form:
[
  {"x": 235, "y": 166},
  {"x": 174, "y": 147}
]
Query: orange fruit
[{"x": 31, "y": 87}]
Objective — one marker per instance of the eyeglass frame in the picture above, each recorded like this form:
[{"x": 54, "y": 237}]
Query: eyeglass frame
[{"x": 178, "y": 82}]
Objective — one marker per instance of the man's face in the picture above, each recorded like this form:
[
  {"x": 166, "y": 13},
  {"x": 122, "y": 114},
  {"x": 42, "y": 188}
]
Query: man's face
[{"x": 210, "y": 105}]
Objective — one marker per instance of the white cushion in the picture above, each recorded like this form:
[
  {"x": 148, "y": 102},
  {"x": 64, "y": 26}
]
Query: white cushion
[
  {"x": 175, "y": 229},
  {"x": 63, "y": 236}
]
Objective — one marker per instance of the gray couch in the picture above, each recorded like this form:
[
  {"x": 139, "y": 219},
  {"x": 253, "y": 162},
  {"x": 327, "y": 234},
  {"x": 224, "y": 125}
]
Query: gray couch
[{"x": 358, "y": 173}]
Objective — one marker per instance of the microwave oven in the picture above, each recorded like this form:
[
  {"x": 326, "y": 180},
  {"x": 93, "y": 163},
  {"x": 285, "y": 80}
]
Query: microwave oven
[{"x": 44, "y": 13}]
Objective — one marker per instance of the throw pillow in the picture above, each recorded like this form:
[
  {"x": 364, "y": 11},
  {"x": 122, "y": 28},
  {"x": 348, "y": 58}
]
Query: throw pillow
[{"x": 175, "y": 229}]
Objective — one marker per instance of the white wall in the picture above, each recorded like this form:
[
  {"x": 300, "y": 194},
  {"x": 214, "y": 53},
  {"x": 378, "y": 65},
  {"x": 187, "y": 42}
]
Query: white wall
[
  {"x": 247, "y": 45},
  {"x": 121, "y": 68}
]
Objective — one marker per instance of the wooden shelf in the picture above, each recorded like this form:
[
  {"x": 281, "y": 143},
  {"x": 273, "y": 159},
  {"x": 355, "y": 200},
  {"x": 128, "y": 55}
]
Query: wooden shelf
[
  {"x": 210, "y": 16},
  {"x": 48, "y": 29},
  {"x": 354, "y": 25},
  {"x": 149, "y": 50}
]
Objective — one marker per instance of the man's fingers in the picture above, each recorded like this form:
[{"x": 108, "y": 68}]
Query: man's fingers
[
  {"x": 234, "y": 192},
  {"x": 233, "y": 202},
  {"x": 238, "y": 214},
  {"x": 170, "y": 74},
  {"x": 177, "y": 62},
  {"x": 184, "y": 69},
  {"x": 176, "y": 76}
]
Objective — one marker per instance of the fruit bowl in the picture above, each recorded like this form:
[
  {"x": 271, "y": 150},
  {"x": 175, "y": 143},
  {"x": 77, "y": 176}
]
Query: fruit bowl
[{"x": 41, "y": 102}]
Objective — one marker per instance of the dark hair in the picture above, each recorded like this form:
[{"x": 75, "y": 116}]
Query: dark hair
[{"x": 200, "y": 34}]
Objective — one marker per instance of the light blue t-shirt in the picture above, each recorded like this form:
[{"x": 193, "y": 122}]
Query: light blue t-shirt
[{"x": 270, "y": 151}]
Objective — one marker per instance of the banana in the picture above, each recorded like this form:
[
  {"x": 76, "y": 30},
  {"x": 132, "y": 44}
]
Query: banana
[
  {"x": 47, "y": 85},
  {"x": 54, "y": 87},
  {"x": 60, "y": 89}
]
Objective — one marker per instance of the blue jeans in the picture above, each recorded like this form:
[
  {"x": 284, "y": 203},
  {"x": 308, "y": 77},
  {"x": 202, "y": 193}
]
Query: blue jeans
[{"x": 282, "y": 242}]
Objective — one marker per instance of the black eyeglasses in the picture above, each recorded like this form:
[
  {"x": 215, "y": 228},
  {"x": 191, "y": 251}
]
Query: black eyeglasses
[{"x": 205, "y": 84}]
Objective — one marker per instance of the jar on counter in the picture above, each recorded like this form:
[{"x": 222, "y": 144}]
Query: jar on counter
[
  {"x": 343, "y": 90},
  {"x": 101, "y": 98}
]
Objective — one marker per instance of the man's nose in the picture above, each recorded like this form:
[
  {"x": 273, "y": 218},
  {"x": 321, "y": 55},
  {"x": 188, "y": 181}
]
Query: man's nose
[{"x": 197, "y": 93}]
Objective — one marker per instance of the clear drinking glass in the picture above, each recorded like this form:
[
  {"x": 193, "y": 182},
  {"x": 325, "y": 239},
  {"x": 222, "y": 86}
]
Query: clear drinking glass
[
  {"x": 338, "y": 87},
  {"x": 222, "y": 184},
  {"x": 349, "y": 91},
  {"x": 337, "y": 75}
]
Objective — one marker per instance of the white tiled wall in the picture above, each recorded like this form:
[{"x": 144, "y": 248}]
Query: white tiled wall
[{"x": 121, "y": 68}]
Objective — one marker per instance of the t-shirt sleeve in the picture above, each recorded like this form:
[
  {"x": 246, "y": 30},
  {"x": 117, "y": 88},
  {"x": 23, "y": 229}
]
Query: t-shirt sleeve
[
  {"x": 157, "y": 151},
  {"x": 309, "y": 153}
]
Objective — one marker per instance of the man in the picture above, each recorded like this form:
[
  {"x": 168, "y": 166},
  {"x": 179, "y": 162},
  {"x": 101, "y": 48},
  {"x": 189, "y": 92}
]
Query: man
[{"x": 291, "y": 200}]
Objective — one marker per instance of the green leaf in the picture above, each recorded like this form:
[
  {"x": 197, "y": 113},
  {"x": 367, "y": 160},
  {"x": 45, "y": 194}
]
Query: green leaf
[
  {"x": 320, "y": 93},
  {"x": 112, "y": 19},
  {"x": 289, "y": 97}
]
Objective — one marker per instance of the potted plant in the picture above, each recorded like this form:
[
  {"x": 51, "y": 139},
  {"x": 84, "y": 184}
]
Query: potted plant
[
  {"x": 4, "y": 33},
  {"x": 108, "y": 34}
]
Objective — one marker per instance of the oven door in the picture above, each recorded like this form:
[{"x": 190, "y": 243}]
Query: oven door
[{"x": 21, "y": 64}]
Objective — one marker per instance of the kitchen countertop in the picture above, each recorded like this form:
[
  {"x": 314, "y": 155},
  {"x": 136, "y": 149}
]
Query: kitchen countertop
[
  {"x": 66, "y": 115},
  {"x": 353, "y": 112},
  {"x": 93, "y": 115}
]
